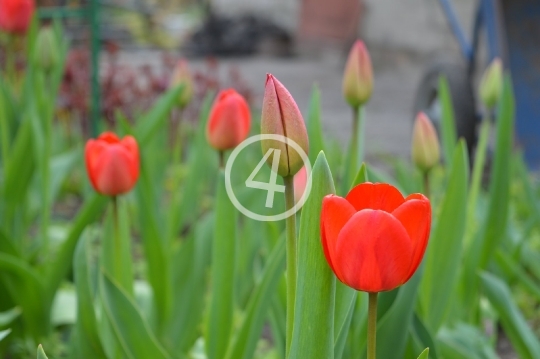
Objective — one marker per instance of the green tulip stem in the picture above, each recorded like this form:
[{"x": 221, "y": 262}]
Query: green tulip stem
[
  {"x": 355, "y": 153},
  {"x": 372, "y": 326},
  {"x": 117, "y": 241},
  {"x": 177, "y": 154},
  {"x": 478, "y": 169},
  {"x": 427, "y": 187},
  {"x": 291, "y": 259},
  {"x": 221, "y": 159}
]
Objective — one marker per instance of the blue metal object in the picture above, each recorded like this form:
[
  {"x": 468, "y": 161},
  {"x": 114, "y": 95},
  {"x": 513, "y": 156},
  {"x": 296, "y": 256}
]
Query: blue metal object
[{"x": 512, "y": 29}]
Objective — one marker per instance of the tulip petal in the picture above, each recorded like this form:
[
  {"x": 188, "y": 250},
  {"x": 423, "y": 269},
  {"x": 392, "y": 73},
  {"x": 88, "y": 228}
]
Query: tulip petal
[
  {"x": 229, "y": 121},
  {"x": 108, "y": 137},
  {"x": 336, "y": 211},
  {"x": 92, "y": 154},
  {"x": 130, "y": 144},
  {"x": 114, "y": 171},
  {"x": 373, "y": 252},
  {"x": 375, "y": 196},
  {"x": 415, "y": 215}
]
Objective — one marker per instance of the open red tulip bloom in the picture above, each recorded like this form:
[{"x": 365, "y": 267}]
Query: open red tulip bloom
[
  {"x": 112, "y": 164},
  {"x": 374, "y": 239}
]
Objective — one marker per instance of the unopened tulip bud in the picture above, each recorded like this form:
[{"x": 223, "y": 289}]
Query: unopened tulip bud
[
  {"x": 425, "y": 144},
  {"x": 281, "y": 116},
  {"x": 182, "y": 77},
  {"x": 300, "y": 182},
  {"x": 46, "y": 52},
  {"x": 229, "y": 122},
  {"x": 112, "y": 164},
  {"x": 492, "y": 83},
  {"x": 358, "y": 76}
]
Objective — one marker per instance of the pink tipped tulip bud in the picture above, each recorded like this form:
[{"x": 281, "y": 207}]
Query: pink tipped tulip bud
[
  {"x": 182, "y": 77},
  {"x": 358, "y": 76},
  {"x": 492, "y": 83},
  {"x": 425, "y": 144},
  {"x": 300, "y": 182},
  {"x": 281, "y": 116},
  {"x": 229, "y": 122}
]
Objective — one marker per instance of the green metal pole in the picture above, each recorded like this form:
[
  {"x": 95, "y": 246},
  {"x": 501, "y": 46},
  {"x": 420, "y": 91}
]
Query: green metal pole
[{"x": 95, "y": 49}]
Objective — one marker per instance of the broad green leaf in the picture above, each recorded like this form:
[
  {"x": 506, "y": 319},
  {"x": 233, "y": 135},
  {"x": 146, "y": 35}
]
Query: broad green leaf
[
  {"x": 130, "y": 327},
  {"x": 245, "y": 342},
  {"x": 224, "y": 253},
  {"x": 9, "y": 315},
  {"x": 156, "y": 117},
  {"x": 4, "y": 333},
  {"x": 26, "y": 289},
  {"x": 202, "y": 167},
  {"x": 189, "y": 270},
  {"x": 497, "y": 216},
  {"x": 515, "y": 269},
  {"x": 59, "y": 268},
  {"x": 424, "y": 354},
  {"x": 514, "y": 324},
  {"x": 392, "y": 328},
  {"x": 464, "y": 342},
  {"x": 157, "y": 260},
  {"x": 41, "y": 353},
  {"x": 88, "y": 339},
  {"x": 443, "y": 256},
  {"x": 448, "y": 124},
  {"x": 313, "y": 332},
  {"x": 314, "y": 125}
]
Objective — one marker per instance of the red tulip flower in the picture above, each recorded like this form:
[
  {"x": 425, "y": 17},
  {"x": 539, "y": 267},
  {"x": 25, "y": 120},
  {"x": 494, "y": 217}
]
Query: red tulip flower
[
  {"x": 230, "y": 120},
  {"x": 374, "y": 239},
  {"x": 15, "y": 15},
  {"x": 112, "y": 164}
]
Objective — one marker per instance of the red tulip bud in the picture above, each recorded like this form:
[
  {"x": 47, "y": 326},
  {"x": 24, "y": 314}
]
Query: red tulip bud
[
  {"x": 15, "y": 15},
  {"x": 281, "y": 116},
  {"x": 230, "y": 120},
  {"x": 425, "y": 144},
  {"x": 374, "y": 239},
  {"x": 112, "y": 164},
  {"x": 182, "y": 77},
  {"x": 358, "y": 76},
  {"x": 300, "y": 182}
]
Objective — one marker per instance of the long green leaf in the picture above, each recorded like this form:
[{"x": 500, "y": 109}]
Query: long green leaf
[
  {"x": 514, "y": 324},
  {"x": 245, "y": 342},
  {"x": 444, "y": 251},
  {"x": 62, "y": 263},
  {"x": 9, "y": 315},
  {"x": 313, "y": 332},
  {"x": 224, "y": 249},
  {"x": 41, "y": 353},
  {"x": 500, "y": 177},
  {"x": 424, "y": 354},
  {"x": 4, "y": 333},
  {"x": 158, "y": 114},
  {"x": 448, "y": 124},
  {"x": 88, "y": 339},
  {"x": 130, "y": 327}
]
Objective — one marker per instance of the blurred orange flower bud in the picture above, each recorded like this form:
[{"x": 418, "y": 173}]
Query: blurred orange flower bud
[
  {"x": 15, "y": 15},
  {"x": 230, "y": 120},
  {"x": 281, "y": 116},
  {"x": 112, "y": 164},
  {"x": 425, "y": 144},
  {"x": 182, "y": 77},
  {"x": 492, "y": 83},
  {"x": 358, "y": 75}
]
